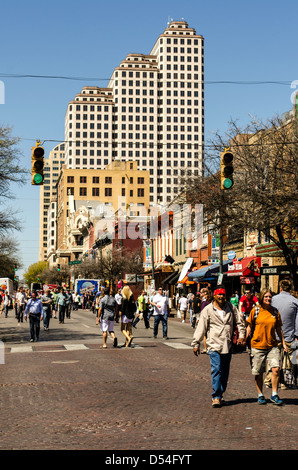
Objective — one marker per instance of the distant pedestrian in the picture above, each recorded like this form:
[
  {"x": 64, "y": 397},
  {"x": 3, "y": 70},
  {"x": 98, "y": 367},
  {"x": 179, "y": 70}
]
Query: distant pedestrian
[
  {"x": 183, "y": 307},
  {"x": 68, "y": 304},
  {"x": 76, "y": 301},
  {"x": 197, "y": 301},
  {"x": 46, "y": 300},
  {"x": 247, "y": 302},
  {"x": 217, "y": 322},
  {"x": 206, "y": 299},
  {"x": 6, "y": 303},
  {"x": 61, "y": 304},
  {"x": 106, "y": 313},
  {"x": 234, "y": 300},
  {"x": 161, "y": 310},
  {"x": 35, "y": 311},
  {"x": 54, "y": 304},
  {"x": 118, "y": 298},
  {"x": 142, "y": 312},
  {"x": 21, "y": 304},
  {"x": 150, "y": 306},
  {"x": 264, "y": 344}
]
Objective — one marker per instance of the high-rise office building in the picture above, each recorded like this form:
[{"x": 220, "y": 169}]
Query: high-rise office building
[{"x": 151, "y": 112}]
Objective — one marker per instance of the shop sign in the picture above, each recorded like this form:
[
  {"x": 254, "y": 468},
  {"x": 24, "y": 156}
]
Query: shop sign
[
  {"x": 274, "y": 270},
  {"x": 247, "y": 280}
]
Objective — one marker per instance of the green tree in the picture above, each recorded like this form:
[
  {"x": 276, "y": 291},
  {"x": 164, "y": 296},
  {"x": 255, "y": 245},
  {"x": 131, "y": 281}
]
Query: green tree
[
  {"x": 34, "y": 272},
  {"x": 10, "y": 172},
  {"x": 264, "y": 195},
  {"x": 9, "y": 259}
]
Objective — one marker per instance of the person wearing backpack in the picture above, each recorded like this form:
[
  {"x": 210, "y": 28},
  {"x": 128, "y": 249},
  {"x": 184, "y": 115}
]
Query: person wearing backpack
[
  {"x": 106, "y": 313},
  {"x": 262, "y": 324},
  {"x": 128, "y": 309}
]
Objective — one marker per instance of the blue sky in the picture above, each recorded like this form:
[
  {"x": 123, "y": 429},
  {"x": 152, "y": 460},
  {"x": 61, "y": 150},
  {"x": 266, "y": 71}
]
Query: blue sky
[{"x": 244, "y": 41}]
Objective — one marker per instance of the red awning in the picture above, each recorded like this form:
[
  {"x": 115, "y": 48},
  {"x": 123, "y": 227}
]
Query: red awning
[{"x": 246, "y": 267}]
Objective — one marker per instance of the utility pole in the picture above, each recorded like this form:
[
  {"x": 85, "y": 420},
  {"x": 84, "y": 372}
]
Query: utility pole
[{"x": 152, "y": 263}]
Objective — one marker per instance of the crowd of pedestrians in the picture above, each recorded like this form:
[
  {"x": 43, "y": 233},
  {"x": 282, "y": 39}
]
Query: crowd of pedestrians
[
  {"x": 264, "y": 324},
  {"x": 37, "y": 306}
]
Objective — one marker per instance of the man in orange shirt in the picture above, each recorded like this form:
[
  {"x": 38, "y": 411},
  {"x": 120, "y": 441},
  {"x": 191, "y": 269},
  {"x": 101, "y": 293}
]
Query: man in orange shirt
[{"x": 262, "y": 328}]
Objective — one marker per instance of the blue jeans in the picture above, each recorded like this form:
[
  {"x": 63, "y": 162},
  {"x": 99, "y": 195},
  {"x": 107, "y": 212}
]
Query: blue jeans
[
  {"x": 164, "y": 321},
  {"x": 220, "y": 368}
]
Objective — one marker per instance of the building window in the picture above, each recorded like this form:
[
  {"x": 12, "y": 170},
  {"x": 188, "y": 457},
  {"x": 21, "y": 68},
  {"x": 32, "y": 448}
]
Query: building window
[
  {"x": 83, "y": 179},
  {"x": 95, "y": 179},
  {"x": 95, "y": 191},
  {"x": 108, "y": 192},
  {"x": 83, "y": 191},
  {"x": 140, "y": 192},
  {"x": 108, "y": 180},
  {"x": 70, "y": 179}
]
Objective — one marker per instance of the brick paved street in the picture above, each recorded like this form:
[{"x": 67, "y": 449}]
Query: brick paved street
[{"x": 72, "y": 395}]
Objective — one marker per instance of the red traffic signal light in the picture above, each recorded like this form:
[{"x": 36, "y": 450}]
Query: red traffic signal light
[{"x": 37, "y": 165}]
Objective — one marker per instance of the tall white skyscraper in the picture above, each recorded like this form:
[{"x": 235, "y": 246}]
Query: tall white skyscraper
[{"x": 152, "y": 112}]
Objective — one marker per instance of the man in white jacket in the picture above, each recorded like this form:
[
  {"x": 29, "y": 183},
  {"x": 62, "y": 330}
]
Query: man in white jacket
[{"x": 217, "y": 322}]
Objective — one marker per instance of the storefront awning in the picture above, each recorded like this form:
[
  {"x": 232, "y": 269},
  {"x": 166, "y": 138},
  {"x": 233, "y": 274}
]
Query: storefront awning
[
  {"x": 171, "y": 279},
  {"x": 209, "y": 271},
  {"x": 185, "y": 269},
  {"x": 187, "y": 281},
  {"x": 199, "y": 273},
  {"x": 246, "y": 267}
]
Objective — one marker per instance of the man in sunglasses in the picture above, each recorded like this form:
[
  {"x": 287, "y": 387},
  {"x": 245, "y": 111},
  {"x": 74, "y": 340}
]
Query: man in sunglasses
[
  {"x": 217, "y": 322},
  {"x": 161, "y": 309}
]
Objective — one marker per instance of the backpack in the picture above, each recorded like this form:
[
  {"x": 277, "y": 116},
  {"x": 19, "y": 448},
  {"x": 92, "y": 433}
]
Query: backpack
[
  {"x": 257, "y": 310},
  {"x": 130, "y": 308}
]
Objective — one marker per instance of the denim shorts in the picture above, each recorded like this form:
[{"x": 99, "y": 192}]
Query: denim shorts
[{"x": 259, "y": 358}]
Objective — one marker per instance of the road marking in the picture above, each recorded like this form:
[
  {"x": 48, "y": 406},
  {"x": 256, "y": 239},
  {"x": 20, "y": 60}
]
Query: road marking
[
  {"x": 64, "y": 362},
  {"x": 73, "y": 347},
  {"x": 178, "y": 345},
  {"x": 21, "y": 349},
  {"x": 86, "y": 326},
  {"x": 81, "y": 347}
]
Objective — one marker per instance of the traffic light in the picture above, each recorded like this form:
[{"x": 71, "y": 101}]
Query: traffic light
[
  {"x": 58, "y": 267},
  {"x": 227, "y": 169},
  {"x": 37, "y": 165}
]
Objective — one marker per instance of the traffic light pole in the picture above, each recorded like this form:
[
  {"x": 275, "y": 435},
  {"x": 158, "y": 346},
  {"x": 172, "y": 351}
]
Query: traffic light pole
[
  {"x": 226, "y": 183},
  {"x": 220, "y": 251}
]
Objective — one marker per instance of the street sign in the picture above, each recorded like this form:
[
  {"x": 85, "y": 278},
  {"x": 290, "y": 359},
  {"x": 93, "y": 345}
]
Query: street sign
[
  {"x": 79, "y": 261},
  {"x": 231, "y": 254}
]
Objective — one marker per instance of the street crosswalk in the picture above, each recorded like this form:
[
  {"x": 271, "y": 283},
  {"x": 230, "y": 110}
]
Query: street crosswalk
[{"x": 41, "y": 347}]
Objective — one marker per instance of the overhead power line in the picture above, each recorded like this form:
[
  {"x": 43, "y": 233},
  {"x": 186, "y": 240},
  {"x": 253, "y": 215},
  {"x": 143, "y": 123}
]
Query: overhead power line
[{"x": 206, "y": 82}]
